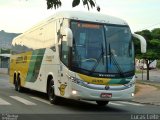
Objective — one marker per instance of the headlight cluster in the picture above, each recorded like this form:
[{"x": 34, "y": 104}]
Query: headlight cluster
[{"x": 76, "y": 80}]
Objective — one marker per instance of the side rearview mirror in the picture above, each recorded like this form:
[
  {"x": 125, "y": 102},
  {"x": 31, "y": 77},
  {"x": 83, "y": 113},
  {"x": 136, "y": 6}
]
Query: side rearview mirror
[
  {"x": 69, "y": 36},
  {"x": 142, "y": 42}
]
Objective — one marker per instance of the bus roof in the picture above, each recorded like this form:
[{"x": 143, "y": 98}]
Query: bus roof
[
  {"x": 84, "y": 16},
  {"x": 89, "y": 16}
]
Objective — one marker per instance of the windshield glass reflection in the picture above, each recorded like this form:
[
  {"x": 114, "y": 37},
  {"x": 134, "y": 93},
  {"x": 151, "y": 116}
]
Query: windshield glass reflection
[{"x": 100, "y": 48}]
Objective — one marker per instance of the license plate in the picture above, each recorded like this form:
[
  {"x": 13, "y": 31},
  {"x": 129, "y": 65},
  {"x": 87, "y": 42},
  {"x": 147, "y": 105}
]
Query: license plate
[{"x": 106, "y": 95}]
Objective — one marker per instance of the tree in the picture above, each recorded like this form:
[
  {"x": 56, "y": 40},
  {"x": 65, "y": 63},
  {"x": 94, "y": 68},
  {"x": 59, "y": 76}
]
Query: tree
[
  {"x": 156, "y": 33},
  {"x": 146, "y": 34},
  {"x": 57, "y": 3},
  {"x": 153, "y": 49}
]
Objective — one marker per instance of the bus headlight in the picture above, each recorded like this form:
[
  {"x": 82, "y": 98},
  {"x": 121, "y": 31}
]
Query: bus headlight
[
  {"x": 132, "y": 94},
  {"x": 74, "y": 92},
  {"x": 75, "y": 80}
]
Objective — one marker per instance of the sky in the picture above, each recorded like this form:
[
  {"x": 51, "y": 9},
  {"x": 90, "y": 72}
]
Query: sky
[{"x": 17, "y": 16}]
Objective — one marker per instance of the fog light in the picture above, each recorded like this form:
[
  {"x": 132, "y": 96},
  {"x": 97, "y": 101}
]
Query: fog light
[
  {"x": 132, "y": 94},
  {"x": 74, "y": 92}
]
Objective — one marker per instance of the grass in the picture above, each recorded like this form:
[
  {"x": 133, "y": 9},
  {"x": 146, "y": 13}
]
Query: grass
[
  {"x": 157, "y": 85},
  {"x": 140, "y": 71}
]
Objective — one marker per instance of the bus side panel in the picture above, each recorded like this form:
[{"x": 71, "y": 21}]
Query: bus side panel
[
  {"x": 34, "y": 74},
  {"x": 29, "y": 65},
  {"x": 19, "y": 63},
  {"x": 35, "y": 65},
  {"x": 48, "y": 65},
  {"x": 46, "y": 62}
]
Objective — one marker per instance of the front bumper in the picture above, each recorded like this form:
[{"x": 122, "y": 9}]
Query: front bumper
[{"x": 91, "y": 93}]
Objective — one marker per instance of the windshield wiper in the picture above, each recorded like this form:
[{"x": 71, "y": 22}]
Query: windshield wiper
[
  {"x": 115, "y": 62},
  {"x": 98, "y": 61}
]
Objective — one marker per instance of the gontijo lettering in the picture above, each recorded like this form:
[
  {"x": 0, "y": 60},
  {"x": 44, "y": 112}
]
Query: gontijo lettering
[{"x": 21, "y": 59}]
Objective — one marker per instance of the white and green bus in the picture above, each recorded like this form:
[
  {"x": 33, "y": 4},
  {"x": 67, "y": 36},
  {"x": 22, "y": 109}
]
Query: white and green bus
[{"x": 76, "y": 55}]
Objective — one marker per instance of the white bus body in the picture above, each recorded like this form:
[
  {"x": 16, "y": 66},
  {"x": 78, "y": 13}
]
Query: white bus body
[{"x": 77, "y": 55}]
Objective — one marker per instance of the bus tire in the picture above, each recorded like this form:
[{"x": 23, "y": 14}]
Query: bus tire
[
  {"x": 51, "y": 94},
  {"x": 18, "y": 87},
  {"x": 102, "y": 103}
]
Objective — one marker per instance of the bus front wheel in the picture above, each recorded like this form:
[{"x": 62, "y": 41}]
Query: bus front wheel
[
  {"x": 102, "y": 103},
  {"x": 51, "y": 94}
]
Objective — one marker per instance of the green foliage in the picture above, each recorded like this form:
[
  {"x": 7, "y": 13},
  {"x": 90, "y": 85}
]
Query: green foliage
[
  {"x": 153, "y": 47},
  {"x": 55, "y": 3},
  {"x": 87, "y": 2},
  {"x": 4, "y": 51},
  {"x": 146, "y": 34},
  {"x": 153, "y": 44},
  {"x": 75, "y": 3},
  {"x": 58, "y": 3},
  {"x": 156, "y": 33},
  {"x": 158, "y": 64}
]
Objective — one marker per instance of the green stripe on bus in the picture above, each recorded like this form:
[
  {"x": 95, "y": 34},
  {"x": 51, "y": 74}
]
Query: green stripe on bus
[
  {"x": 119, "y": 81},
  {"x": 35, "y": 64}
]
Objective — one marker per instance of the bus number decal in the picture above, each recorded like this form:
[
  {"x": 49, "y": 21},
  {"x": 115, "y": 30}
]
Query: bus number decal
[{"x": 97, "y": 81}]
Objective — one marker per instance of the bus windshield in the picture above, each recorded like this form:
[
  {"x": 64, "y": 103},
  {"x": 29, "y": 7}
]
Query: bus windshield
[{"x": 101, "y": 49}]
